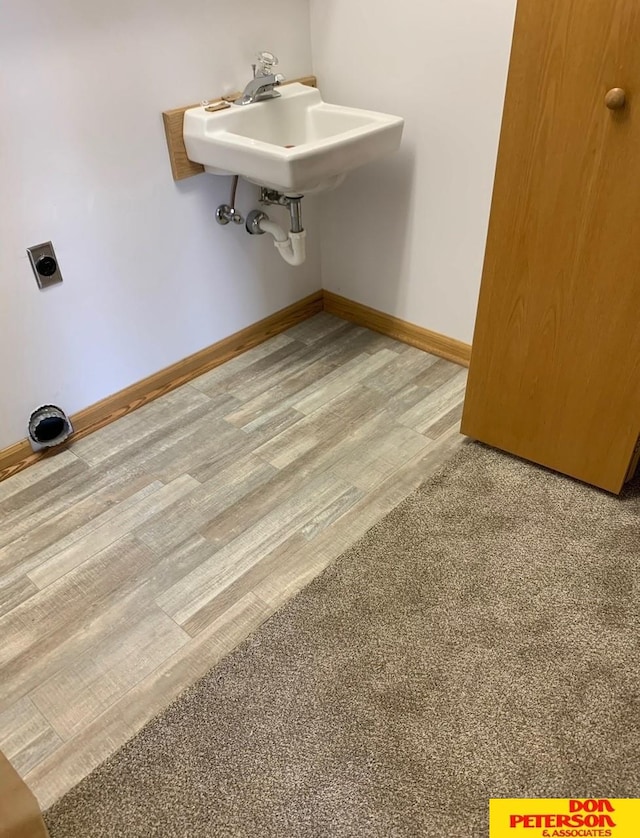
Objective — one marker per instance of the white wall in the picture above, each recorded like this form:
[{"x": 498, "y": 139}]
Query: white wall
[
  {"x": 407, "y": 235},
  {"x": 148, "y": 276}
]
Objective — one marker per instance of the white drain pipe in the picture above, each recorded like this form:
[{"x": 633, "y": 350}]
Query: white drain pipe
[{"x": 292, "y": 246}]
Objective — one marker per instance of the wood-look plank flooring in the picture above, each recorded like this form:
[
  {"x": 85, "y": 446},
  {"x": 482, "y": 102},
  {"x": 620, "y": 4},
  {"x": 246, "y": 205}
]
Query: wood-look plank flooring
[{"x": 133, "y": 561}]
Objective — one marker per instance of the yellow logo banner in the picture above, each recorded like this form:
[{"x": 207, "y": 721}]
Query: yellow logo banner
[{"x": 565, "y": 818}]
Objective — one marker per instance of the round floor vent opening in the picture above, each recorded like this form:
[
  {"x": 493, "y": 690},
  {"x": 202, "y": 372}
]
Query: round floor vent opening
[{"x": 48, "y": 426}]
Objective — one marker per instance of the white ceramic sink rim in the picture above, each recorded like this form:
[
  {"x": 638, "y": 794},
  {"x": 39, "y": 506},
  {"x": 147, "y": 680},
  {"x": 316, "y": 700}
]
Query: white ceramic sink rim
[{"x": 327, "y": 140}]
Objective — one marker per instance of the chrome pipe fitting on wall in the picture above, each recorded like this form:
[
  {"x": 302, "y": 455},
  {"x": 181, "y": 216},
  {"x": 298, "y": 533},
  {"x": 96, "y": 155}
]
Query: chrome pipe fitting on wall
[
  {"x": 225, "y": 214},
  {"x": 254, "y": 219},
  {"x": 228, "y": 212}
]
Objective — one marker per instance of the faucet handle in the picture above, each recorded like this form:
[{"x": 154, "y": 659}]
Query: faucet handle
[{"x": 266, "y": 62}]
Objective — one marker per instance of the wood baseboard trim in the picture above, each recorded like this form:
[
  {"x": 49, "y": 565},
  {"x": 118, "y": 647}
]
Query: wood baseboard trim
[
  {"x": 394, "y": 327},
  {"x": 17, "y": 457}
]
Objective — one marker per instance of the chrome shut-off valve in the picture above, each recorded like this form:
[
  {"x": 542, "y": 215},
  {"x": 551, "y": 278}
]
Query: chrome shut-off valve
[{"x": 225, "y": 214}]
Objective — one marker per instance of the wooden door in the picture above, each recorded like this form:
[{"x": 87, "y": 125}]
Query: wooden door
[
  {"x": 19, "y": 812},
  {"x": 555, "y": 365}
]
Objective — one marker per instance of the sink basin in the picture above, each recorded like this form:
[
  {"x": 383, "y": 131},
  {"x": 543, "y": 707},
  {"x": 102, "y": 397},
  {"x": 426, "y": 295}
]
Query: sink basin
[{"x": 295, "y": 144}]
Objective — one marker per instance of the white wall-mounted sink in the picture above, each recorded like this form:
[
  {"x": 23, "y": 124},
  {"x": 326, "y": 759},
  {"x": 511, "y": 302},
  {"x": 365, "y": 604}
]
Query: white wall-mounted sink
[{"x": 296, "y": 143}]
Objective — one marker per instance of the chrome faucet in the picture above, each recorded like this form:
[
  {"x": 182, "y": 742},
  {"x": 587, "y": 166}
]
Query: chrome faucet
[{"x": 262, "y": 85}]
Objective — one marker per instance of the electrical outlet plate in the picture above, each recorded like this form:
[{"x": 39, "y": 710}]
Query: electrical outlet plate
[{"x": 45, "y": 264}]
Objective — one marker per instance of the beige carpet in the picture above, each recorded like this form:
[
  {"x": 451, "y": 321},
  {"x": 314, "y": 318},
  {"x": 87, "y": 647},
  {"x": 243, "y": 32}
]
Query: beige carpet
[{"x": 481, "y": 641}]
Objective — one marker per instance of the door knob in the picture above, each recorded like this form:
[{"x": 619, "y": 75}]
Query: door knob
[{"x": 615, "y": 99}]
